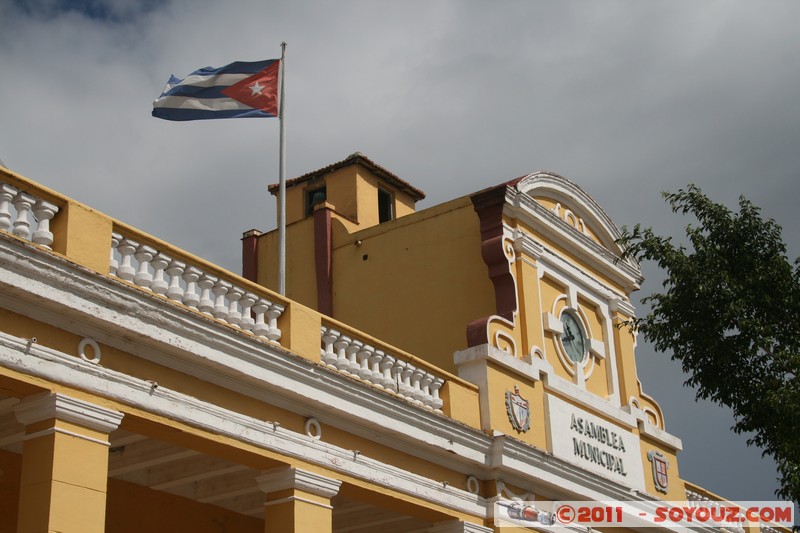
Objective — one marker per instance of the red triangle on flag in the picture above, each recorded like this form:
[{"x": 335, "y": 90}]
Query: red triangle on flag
[{"x": 259, "y": 91}]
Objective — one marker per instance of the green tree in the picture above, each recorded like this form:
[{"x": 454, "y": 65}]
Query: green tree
[{"x": 729, "y": 311}]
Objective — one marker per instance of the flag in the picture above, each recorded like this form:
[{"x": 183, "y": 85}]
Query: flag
[{"x": 239, "y": 90}]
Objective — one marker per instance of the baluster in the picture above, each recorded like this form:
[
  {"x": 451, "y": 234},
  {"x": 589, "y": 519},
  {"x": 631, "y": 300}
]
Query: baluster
[
  {"x": 352, "y": 354},
  {"x": 341, "y": 344},
  {"x": 206, "y": 304},
  {"x": 23, "y": 203},
  {"x": 260, "y": 329},
  {"x": 126, "y": 249},
  {"x": 328, "y": 353},
  {"x": 113, "y": 265},
  {"x": 397, "y": 376},
  {"x": 247, "y": 302},
  {"x": 43, "y": 212},
  {"x": 387, "y": 364},
  {"x": 437, "y": 402},
  {"x": 143, "y": 277},
  {"x": 190, "y": 296},
  {"x": 424, "y": 386},
  {"x": 362, "y": 358},
  {"x": 7, "y": 193},
  {"x": 160, "y": 263},
  {"x": 234, "y": 316},
  {"x": 220, "y": 289},
  {"x": 375, "y": 375},
  {"x": 405, "y": 387},
  {"x": 416, "y": 385},
  {"x": 175, "y": 273},
  {"x": 274, "y": 311}
]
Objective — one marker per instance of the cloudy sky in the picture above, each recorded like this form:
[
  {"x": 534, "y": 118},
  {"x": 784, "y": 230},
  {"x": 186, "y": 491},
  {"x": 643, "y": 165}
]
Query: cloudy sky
[{"x": 627, "y": 98}]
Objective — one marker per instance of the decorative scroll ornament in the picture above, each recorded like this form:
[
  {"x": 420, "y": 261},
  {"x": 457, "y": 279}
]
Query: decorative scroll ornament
[
  {"x": 519, "y": 411},
  {"x": 660, "y": 466}
]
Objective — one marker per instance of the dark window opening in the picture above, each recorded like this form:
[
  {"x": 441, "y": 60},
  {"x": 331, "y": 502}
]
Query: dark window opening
[
  {"x": 385, "y": 206},
  {"x": 317, "y": 196}
]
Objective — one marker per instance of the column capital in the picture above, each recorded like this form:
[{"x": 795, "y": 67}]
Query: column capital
[
  {"x": 287, "y": 477},
  {"x": 457, "y": 526},
  {"x": 49, "y": 405}
]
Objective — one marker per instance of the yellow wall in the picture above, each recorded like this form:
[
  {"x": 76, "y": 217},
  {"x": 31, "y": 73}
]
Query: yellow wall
[{"x": 418, "y": 285}]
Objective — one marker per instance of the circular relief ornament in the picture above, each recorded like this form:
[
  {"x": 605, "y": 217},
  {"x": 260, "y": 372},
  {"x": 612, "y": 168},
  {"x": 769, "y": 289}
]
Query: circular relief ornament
[{"x": 573, "y": 339}]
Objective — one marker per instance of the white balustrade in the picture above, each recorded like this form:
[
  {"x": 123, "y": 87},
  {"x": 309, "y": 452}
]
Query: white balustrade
[
  {"x": 359, "y": 359},
  {"x": 183, "y": 283},
  {"x": 17, "y": 208}
]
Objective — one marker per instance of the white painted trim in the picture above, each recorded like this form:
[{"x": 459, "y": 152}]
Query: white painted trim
[
  {"x": 537, "y": 369},
  {"x": 49, "y": 405},
  {"x": 552, "y": 323},
  {"x": 654, "y": 432},
  {"x": 48, "y": 288},
  {"x": 287, "y": 477},
  {"x": 520, "y": 204},
  {"x": 56, "y": 292},
  {"x": 597, "y": 348},
  {"x": 297, "y": 499},
  {"x": 53, "y": 430},
  {"x": 51, "y": 365},
  {"x": 457, "y": 526},
  {"x": 516, "y": 462}
]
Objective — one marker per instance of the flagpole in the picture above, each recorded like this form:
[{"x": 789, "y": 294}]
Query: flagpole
[{"x": 282, "y": 182}]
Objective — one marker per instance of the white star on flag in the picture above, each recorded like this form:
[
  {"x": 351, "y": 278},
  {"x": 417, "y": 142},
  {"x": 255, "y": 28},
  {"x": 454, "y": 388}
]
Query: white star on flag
[{"x": 256, "y": 88}]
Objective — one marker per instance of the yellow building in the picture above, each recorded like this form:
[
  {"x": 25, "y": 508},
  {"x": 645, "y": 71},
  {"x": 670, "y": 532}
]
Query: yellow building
[{"x": 425, "y": 371}]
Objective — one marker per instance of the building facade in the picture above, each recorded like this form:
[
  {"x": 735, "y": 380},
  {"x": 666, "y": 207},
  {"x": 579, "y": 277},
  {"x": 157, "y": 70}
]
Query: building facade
[{"x": 426, "y": 371}]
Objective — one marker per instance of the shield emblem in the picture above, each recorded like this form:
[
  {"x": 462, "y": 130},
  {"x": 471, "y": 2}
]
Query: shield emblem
[
  {"x": 660, "y": 466},
  {"x": 519, "y": 411}
]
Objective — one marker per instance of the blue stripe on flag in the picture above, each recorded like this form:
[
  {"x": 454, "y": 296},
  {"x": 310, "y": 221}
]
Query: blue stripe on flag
[
  {"x": 168, "y": 113},
  {"x": 237, "y": 67},
  {"x": 194, "y": 91}
]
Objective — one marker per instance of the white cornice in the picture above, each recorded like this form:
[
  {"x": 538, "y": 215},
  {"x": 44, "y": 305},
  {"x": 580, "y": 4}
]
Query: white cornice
[
  {"x": 538, "y": 370},
  {"x": 524, "y": 208},
  {"x": 52, "y": 365},
  {"x": 287, "y": 477},
  {"x": 504, "y": 457},
  {"x": 48, "y": 288},
  {"x": 47, "y": 405},
  {"x": 137, "y": 322}
]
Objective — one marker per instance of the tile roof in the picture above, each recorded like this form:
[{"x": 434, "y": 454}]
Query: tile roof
[{"x": 356, "y": 158}]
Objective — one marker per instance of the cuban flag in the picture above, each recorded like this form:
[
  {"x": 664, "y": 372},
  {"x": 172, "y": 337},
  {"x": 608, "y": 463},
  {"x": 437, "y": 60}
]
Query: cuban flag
[{"x": 239, "y": 90}]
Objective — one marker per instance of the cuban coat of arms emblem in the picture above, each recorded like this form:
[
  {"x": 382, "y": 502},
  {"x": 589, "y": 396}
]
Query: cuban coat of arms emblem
[
  {"x": 519, "y": 410},
  {"x": 660, "y": 466}
]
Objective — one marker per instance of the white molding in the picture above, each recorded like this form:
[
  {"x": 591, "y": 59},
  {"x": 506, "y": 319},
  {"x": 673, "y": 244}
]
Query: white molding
[
  {"x": 55, "y": 366},
  {"x": 48, "y": 288},
  {"x": 654, "y": 432},
  {"x": 552, "y": 323},
  {"x": 503, "y": 457},
  {"x": 487, "y": 352},
  {"x": 537, "y": 369},
  {"x": 287, "y": 477},
  {"x": 297, "y": 499},
  {"x": 49, "y": 405},
  {"x": 597, "y": 348},
  {"x": 623, "y": 306},
  {"x": 51, "y": 431},
  {"x": 520, "y": 203},
  {"x": 457, "y": 526}
]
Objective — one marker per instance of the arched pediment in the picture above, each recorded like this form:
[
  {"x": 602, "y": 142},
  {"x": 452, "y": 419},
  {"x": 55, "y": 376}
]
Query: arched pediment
[{"x": 575, "y": 208}]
